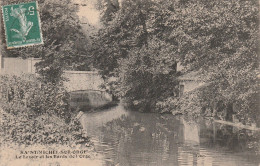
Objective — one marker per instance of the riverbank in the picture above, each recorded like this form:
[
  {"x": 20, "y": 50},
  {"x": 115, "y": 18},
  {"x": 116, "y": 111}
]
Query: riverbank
[
  {"x": 36, "y": 114},
  {"x": 45, "y": 140},
  {"x": 44, "y": 129}
]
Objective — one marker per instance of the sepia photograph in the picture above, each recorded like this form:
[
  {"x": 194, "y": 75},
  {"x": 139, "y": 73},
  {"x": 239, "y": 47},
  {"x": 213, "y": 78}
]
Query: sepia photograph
[{"x": 129, "y": 83}]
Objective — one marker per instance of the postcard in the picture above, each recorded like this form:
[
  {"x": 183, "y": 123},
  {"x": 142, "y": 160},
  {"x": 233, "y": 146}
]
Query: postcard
[{"x": 129, "y": 83}]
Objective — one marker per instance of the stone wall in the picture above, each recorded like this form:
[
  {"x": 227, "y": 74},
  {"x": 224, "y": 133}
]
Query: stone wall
[
  {"x": 18, "y": 66},
  {"x": 77, "y": 80}
]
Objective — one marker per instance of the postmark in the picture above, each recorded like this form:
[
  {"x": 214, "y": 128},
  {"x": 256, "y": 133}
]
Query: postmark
[{"x": 22, "y": 25}]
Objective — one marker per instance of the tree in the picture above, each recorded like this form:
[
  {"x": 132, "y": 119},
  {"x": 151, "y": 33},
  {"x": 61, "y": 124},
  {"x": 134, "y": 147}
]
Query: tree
[
  {"x": 143, "y": 63},
  {"x": 147, "y": 76},
  {"x": 219, "y": 39},
  {"x": 63, "y": 38},
  {"x": 124, "y": 31}
]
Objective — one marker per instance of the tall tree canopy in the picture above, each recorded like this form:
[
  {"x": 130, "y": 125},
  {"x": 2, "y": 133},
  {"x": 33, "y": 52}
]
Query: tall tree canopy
[
  {"x": 216, "y": 38},
  {"x": 126, "y": 48}
]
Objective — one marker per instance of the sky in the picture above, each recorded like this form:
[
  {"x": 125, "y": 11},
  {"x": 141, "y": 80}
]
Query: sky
[{"x": 88, "y": 11}]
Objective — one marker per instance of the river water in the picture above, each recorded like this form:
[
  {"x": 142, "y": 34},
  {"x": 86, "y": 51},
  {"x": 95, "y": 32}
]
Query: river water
[{"x": 130, "y": 138}]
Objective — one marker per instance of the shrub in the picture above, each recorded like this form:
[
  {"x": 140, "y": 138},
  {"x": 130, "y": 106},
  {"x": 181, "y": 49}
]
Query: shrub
[
  {"x": 147, "y": 76},
  {"x": 27, "y": 93},
  {"x": 35, "y": 112},
  {"x": 40, "y": 130}
]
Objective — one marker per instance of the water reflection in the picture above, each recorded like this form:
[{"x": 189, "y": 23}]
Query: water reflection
[{"x": 133, "y": 138}]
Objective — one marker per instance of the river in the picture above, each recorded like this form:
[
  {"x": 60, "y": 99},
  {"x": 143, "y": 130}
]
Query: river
[{"x": 131, "y": 138}]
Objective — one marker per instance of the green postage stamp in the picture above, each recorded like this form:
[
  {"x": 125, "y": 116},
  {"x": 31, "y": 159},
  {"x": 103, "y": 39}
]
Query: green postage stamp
[{"x": 22, "y": 24}]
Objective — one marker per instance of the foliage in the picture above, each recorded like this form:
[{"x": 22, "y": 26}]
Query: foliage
[
  {"x": 219, "y": 40},
  {"x": 34, "y": 112},
  {"x": 124, "y": 49},
  {"x": 108, "y": 8},
  {"x": 26, "y": 93},
  {"x": 125, "y": 29},
  {"x": 41, "y": 130},
  {"x": 216, "y": 38},
  {"x": 63, "y": 38},
  {"x": 147, "y": 76}
]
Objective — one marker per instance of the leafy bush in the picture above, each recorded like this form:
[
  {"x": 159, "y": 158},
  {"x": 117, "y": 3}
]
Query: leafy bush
[
  {"x": 44, "y": 129},
  {"x": 148, "y": 76},
  {"x": 188, "y": 104},
  {"x": 206, "y": 101},
  {"x": 27, "y": 93},
  {"x": 35, "y": 112}
]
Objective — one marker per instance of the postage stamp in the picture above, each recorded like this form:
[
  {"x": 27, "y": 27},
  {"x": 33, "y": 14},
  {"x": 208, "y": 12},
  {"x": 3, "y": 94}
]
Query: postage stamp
[{"x": 22, "y": 25}]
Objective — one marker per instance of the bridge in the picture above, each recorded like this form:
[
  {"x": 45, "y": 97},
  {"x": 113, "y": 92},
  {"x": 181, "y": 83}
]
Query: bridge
[
  {"x": 83, "y": 86},
  {"x": 82, "y": 80},
  {"x": 84, "y": 89}
]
